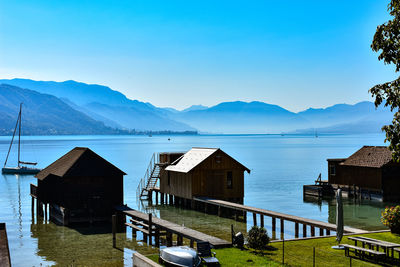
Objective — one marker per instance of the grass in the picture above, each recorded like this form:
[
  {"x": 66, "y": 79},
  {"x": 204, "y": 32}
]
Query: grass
[{"x": 297, "y": 253}]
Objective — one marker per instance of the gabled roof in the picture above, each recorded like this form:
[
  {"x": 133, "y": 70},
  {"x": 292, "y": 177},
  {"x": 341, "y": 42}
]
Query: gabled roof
[
  {"x": 370, "y": 156},
  {"x": 194, "y": 157},
  {"x": 80, "y": 161}
]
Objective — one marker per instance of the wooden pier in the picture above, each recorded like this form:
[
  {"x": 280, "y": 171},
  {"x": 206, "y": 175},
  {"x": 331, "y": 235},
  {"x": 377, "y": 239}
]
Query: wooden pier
[
  {"x": 4, "y": 249},
  {"x": 324, "y": 228},
  {"x": 153, "y": 226}
]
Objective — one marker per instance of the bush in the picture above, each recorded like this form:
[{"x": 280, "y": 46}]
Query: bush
[
  {"x": 257, "y": 238},
  {"x": 391, "y": 218}
]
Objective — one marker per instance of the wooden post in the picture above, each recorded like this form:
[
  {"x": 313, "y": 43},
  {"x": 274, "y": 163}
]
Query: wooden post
[
  {"x": 179, "y": 240},
  {"x": 150, "y": 228},
  {"x": 156, "y": 197},
  {"x": 328, "y": 232},
  {"x": 273, "y": 224},
  {"x": 162, "y": 198},
  {"x": 304, "y": 230},
  {"x": 191, "y": 243},
  {"x": 157, "y": 237},
  {"x": 171, "y": 200},
  {"x": 114, "y": 229},
  {"x": 151, "y": 196},
  {"x": 321, "y": 231},
  {"x": 296, "y": 229},
  {"x": 262, "y": 220},
  {"x": 282, "y": 228},
  {"x": 312, "y": 230},
  {"x": 169, "y": 239},
  {"x": 45, "y": 211},
  {"x": 254, "y": 219},
  {"x": 33, "y": 206}
]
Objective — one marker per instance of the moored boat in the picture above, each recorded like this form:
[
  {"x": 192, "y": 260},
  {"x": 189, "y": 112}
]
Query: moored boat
[
  {"x": 182, "y": 256},
  {"x": 20, "y": 169}
]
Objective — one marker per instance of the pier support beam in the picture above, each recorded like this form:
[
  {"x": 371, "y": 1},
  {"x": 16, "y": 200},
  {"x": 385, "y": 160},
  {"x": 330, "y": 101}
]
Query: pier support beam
[
  {"x": 282, "y": 228},
  {"x": 169, "y": 239},
  {"x": 304, "y": 230},
  {"x": 179, "y": 240},
  {"x": 261, "y": 220},
  {"x": 191, "y": 243},
  {"x": 150, "y": 228},
  {"x": 254, "y": 219},
  {"x": 321, "y": 232},
  {"x": 273, "y": 227},
  {"x": 162, "y": 198},
  {"x": 328, "y": 232},
  {"x": 171, "y": 200},
  {"x": 312, "y": 231},
  {"x": 296, "y": 230}
]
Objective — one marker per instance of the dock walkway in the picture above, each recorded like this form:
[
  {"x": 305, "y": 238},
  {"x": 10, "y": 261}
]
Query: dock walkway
[
  {"x": 277, "y": 215},
  {"x": 4, "y": 250},
  {"x": 174, "y": 228}
]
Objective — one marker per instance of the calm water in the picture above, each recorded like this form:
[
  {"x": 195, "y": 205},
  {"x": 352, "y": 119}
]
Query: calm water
[{"x": 279, "y": 165}]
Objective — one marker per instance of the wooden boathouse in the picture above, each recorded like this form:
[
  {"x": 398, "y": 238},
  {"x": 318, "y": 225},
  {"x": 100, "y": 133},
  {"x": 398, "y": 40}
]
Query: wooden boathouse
[
  {"x": 200, "y": 172},
  {"x": 80, "y": 186},
  {"x": 369, "y": 171}
]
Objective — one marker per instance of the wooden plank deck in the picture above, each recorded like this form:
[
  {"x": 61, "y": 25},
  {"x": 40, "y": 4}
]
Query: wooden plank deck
[
  {"x": 4, "y": 250},
  {"x": 278, "y": 215},
  {"x": 174, "y": 228}
]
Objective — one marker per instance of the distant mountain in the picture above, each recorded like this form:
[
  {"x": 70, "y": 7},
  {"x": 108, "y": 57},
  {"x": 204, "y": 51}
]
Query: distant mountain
[
  {"x": 195, "y": 107},
  {"x": 115, "y": 110},
  {"x": 241, "y": 117},
  {"x": 109, "y": 106},
  {"x": 44, "y": 114}
]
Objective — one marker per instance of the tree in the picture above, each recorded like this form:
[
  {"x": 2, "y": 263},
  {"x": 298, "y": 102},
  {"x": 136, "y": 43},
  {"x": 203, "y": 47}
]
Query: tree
[{"x": 387, "y": 42}]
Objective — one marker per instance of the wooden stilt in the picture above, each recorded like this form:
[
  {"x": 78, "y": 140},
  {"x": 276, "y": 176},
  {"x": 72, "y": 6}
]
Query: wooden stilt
[
  {"x": 179, "y": 240},
  {"x": 169, "y": 239},
  {"x": 261, "y": 220},
  {"x": 273, "y": 225},
  {"x": 254, "y": 219},
  {"x": 191, "y": 243},
  {"x": 157, "y": 237},
  {"x": 296, "y": 230},
  {"x": 162, "y": 198},
  {"x": 328, "y": 232},
  {"x": 33, "y": 206},
  {"x": 304, "y": 230},
  {"x": 114, "y": 229},
  {"x": 156, "y": 197},
  {"x": 45, "y": 211},
  {"x": 312, "y": 230},
  {"x": 282, "y": 228},
  {"x": 150, "y": 228},
  {"x": 321, "y": 232},
  {"x": 171, "y": 200}
]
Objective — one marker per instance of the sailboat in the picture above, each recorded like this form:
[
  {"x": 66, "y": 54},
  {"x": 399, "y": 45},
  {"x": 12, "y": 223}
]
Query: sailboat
[{"x": 21, "y": 168}]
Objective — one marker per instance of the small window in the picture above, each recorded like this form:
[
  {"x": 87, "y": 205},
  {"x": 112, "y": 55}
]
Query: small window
[
  {"x": 229, "y": 180},
  {"x": 332, "y": 170},
  {"x": 169, "y": 178}
]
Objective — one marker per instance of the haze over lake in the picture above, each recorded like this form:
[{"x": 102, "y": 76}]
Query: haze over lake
[{"x": 279, "y": 165}]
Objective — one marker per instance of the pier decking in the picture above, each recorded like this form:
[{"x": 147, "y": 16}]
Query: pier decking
[
  {"x": 283, "y": 217},
  {"x": 170, "y": 228},
  {"x": 4, "y": 250}
]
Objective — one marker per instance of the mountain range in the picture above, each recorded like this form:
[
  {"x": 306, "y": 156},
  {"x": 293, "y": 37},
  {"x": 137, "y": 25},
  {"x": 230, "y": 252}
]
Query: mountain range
[{"x": 96, "y": 109}]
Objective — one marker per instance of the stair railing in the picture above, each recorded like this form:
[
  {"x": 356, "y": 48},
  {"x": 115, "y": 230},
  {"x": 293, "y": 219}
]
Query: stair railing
[{"x": 147, "y": 176}]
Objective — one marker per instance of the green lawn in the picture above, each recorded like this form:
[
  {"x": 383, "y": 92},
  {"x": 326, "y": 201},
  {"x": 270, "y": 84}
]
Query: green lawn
[{"x": 297, "y": 253}]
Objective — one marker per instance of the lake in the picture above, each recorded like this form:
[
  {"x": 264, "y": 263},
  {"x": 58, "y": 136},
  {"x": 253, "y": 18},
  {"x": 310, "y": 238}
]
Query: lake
[{"x": 279, "y": 165}]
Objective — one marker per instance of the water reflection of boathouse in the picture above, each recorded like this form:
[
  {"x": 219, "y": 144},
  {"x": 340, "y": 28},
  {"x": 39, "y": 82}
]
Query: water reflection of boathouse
[{"x": 80, "y": 186}]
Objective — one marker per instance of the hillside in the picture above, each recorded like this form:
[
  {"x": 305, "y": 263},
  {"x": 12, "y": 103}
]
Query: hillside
[{"x": 44, "y": 114}]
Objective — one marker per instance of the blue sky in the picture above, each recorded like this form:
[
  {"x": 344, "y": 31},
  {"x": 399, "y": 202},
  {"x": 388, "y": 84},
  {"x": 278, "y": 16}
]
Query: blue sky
[{"x": 296, "y": 54}]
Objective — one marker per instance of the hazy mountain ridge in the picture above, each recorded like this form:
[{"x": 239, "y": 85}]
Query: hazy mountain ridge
[
  {"x": 116, "y": 110},
  {"x": 44, "y": 114}
]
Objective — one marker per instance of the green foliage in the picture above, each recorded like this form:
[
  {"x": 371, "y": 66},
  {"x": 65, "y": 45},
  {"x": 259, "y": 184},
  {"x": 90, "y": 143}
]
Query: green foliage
[
  {"x": 391, "y": 218},
  {"x": 387, "y": 42},
  {"x": 257, "y": 238}
]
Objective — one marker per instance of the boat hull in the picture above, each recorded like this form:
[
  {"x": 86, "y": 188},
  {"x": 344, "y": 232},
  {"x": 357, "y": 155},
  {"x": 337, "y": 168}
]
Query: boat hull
[
  {"x": 19, "y": 170},
  {"x": 180, "y": 256}
]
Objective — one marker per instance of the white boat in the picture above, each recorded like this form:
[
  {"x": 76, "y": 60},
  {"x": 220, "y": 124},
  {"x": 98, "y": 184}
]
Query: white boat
[
  {"x": 182, "y": 256},
  {"x": 20, "y": 168}
]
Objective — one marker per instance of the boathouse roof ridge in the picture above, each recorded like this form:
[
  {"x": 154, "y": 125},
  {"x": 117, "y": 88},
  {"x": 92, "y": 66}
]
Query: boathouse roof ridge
[
  {"x": 370, "y": 156},
  {"x": 194, "y": 157},
  {"x": 79, "y": 161}
]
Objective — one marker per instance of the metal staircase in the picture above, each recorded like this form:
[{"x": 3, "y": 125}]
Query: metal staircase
[{"x": 151, "y": 178}]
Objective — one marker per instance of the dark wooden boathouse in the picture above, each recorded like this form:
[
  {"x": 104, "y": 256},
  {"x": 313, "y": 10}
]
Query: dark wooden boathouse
[
  {"x": 370, "y": 170},
  {"x": 203, "y": 172},
  {"x": 80, "y": 186}
]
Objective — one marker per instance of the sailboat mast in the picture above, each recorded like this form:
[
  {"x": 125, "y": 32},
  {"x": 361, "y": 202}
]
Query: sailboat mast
[
  {"x": 12, "y": 139},
  {"x": 19, "y": 133}
]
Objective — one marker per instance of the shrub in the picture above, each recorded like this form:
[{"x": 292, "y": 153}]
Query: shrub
[
  {"x": 257, "y": 238},
  {"x": 391, "y": 218}
]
